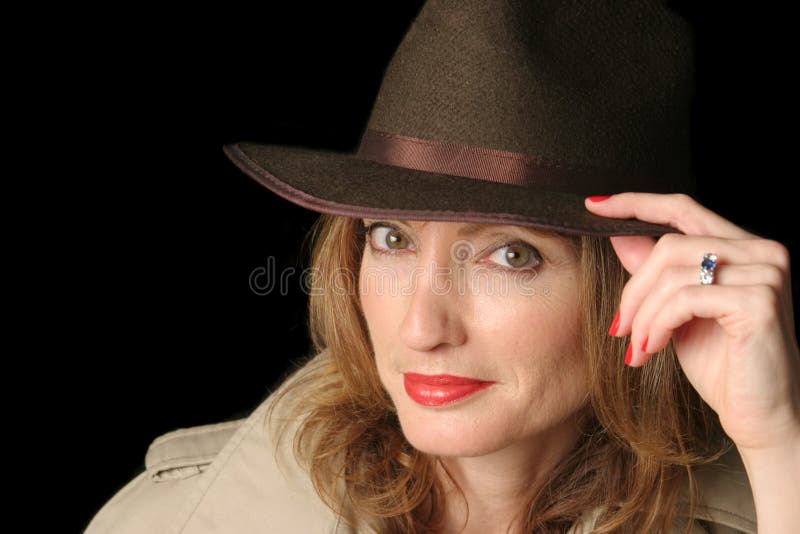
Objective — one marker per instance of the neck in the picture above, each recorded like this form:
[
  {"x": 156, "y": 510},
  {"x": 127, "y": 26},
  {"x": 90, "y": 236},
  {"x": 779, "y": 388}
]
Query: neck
[{"x": 498, "y": 486}]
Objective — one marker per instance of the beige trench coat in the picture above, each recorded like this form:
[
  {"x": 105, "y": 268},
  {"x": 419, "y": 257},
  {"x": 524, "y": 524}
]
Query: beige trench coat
[{"x": 230, "y": 478}]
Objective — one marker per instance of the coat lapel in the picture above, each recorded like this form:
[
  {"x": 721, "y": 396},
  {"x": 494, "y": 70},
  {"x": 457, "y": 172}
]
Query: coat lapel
[{"x": 254, "y": 487}]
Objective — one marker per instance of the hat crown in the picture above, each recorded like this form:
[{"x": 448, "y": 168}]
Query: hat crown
[{"x": 576, "y": 83}]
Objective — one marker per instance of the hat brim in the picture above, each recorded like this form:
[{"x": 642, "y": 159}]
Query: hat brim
[{"x": 339, "y": 183}]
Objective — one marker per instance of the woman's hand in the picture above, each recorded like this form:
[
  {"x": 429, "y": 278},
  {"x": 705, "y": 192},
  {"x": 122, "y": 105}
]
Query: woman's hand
[{"x": 734, "y": 338}]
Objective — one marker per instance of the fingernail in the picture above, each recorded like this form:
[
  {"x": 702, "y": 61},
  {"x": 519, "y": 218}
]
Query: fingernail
[
  {"x": 599, "y": 198},
  {"x": 628, "y": 354},
  {"x": 614, "y": 325},
  {"x": 644, "y": 344}
]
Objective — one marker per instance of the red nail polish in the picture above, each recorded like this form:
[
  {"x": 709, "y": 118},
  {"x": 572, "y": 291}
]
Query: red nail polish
[
  {"x": 614, "y": 325},
  {"x": 644, "y": 344},
  {"x": 599, "y": 198},
  {"x": 628, "y": 354}
]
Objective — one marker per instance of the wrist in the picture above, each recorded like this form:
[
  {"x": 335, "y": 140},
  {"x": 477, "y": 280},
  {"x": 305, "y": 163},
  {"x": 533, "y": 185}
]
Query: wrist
[
  {"x": 786, "y": 448},
  {"x": 774, "y": 476}
]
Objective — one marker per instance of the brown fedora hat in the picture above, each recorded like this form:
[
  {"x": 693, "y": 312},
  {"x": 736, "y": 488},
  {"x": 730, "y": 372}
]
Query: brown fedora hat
[{"x": 510, "y": 112}]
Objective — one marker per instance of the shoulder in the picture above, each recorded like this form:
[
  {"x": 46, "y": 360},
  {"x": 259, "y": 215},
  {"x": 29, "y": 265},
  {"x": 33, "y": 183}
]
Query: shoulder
[
  {"x": 230, "y": 476},
  {"x": 172, "y": 463},
  {"x": 726, "y": 500}
]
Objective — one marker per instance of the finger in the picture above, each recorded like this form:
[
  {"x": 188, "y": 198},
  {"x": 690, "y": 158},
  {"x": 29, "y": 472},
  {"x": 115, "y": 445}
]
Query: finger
[
  {"x": 687, "y": 251},
  {"x": 678, "y": 210},
  {"x": 632, "y": 250},
  {"x": 728, "y": 305},
  {"x": 675, "y": 277}
]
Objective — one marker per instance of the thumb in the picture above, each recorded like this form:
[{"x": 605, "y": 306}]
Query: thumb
[{"x": 632, "y": 250}]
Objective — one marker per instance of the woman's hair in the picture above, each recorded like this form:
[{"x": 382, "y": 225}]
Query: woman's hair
[{"x": 643, "y": 429}]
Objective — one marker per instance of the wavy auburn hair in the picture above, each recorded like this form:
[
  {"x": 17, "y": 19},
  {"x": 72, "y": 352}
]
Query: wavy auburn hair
[{"x": 644, "y": 429}]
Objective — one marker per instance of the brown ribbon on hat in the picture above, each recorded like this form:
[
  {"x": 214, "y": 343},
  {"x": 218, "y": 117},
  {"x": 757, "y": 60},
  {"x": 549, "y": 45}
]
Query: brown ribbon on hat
[{"x": 481, "y": 163}]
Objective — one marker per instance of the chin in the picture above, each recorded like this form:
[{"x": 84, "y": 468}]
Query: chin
[
  {"x": 449, "y": 439},
  {"x": 463, "y": 449}
]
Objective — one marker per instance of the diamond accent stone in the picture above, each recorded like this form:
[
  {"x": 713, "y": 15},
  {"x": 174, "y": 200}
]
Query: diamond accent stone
[{"x": 707, "y": 268}]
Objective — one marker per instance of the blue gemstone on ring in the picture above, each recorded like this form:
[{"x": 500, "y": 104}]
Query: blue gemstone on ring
[{"x": 707, "y": 268}]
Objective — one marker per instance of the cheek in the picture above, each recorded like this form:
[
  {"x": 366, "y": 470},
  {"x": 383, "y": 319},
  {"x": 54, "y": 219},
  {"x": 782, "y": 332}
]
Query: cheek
[
  {"x": 378, "y": 288},
  {"x": 538, "y": 341},
  {"x": 546, "y": 324},
  {"x": 382, "y": 309},
  {"x": 368, "y": 292}
]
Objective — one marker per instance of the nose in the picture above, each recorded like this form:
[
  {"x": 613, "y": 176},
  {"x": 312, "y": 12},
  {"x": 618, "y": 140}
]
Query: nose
[{"x": 434, "y": 317}]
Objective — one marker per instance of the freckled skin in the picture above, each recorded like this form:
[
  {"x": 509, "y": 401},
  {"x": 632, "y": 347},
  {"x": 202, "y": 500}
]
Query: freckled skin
[{"x": 528, "y": 344}]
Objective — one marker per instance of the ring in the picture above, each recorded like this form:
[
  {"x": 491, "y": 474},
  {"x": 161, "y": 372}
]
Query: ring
[{"x": 707, "y": 267}]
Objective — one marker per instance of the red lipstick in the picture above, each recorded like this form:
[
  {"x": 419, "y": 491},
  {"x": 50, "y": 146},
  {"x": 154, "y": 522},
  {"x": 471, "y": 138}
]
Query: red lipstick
[{"x": 437, "y": 390}]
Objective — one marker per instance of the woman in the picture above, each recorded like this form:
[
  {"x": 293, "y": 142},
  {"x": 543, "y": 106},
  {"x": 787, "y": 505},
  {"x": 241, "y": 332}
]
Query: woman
[{"x": 496, "y": 352}]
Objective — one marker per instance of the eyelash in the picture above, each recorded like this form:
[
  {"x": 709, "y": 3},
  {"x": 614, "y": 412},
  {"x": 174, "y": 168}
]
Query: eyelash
[{"x": 367, "y": 230}]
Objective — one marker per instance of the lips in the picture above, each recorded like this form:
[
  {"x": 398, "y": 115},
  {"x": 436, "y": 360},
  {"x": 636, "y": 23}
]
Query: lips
[{"x": 438, "y": 390}]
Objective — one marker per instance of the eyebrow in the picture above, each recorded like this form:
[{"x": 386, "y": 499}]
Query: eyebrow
[{"x": 470, "y": 229}]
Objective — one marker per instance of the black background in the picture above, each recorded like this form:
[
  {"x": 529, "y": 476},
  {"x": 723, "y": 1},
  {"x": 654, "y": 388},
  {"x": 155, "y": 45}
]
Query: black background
[{"x": 164, "y": 231}]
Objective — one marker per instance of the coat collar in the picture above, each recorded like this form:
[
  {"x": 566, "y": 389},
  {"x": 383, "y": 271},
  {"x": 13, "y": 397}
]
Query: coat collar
[{"x": 253, "y": 485}]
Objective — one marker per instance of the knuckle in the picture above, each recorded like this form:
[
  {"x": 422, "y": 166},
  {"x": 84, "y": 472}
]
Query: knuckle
[
  {"x": 686, "y": 295},
  {"x": 686, "y": 203},
  {"x": 640, "y": 326},
  {"x": 674, "y": 275},
  {"x": 683, "y": 199},
  {"x": 764, "y": 301},
  {"x": 636, "y": 324},
  {"x": 773, "y": 275},
  {"x": 665, "y": 243},
  {"x": 625, "y": 295},
  {"x": 779, "y": 253},
  {"x": 668, "y": 240}
]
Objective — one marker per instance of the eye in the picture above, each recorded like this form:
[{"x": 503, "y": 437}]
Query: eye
[
  {"x": 384, "y": 238},
  {"x": 516, "y": 256}
]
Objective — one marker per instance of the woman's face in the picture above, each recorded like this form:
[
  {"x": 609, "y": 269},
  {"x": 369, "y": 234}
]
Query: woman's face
[{"x": 476, "y": 333}]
